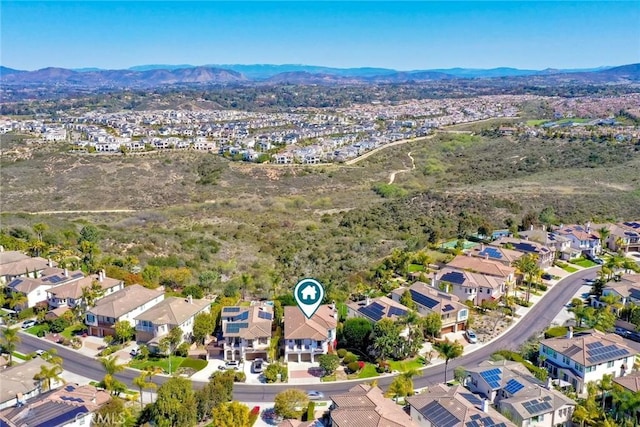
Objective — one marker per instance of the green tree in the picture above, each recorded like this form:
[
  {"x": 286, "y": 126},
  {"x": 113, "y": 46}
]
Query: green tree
[
  {"x": 203, "y": 325},
  {"x": 527, "y": 265},
  {"x": 143, "y": 382},
  {"x": 10, "y": 340},
  {"x": 385, "y": 339},
  {"x": 604, "y": 236},
  {"x": 432, "y": 324},
  {"x": 89, "y": 233},
  {"x": 290, "y": 403},
  {"x": 175, "y": 405},
  {"x": 218, "y": 390},
  {"x": 51, "y": 356},
  {"x": 208, "y": 280},
  {"x": 448, "y": 350},
  {"x": 400, "y": 387},
  {"x": 114, "y": 412},
  {"x": 407, "y": 301},
  {"x": 605, "y": 385},
  {"x": 329, "y": 363},
  {"x": 112, "y": 367},
  {"x": 48, "y": 374},
  {"x": 231, "y": 414},
  {"x": 123, "y": 331},
  {"x": 355, "y": 333}
]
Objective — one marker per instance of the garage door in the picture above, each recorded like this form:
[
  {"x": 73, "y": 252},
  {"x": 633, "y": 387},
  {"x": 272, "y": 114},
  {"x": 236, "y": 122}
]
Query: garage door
[{"x": 447, "y": 329}]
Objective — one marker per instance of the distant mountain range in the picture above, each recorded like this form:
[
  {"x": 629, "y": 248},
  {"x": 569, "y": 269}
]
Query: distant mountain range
[{"x": 146, "y": 76}]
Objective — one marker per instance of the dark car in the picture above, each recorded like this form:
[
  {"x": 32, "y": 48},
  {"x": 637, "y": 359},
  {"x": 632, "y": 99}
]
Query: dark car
[
  {"x": 547, "y": 276},
  {"x": 634, "y": 336}
]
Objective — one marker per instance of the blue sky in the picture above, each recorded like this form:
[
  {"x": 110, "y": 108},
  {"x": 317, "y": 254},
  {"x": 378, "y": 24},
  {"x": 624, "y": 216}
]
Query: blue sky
[{"x": 400, "y": 35}]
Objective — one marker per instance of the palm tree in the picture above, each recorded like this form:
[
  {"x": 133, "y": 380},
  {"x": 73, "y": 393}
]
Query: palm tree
[
  {"x": 448, "y": 350},
  {"x": 17, "y": 300},
  {"x": 51, "y": 356},
  {"x": 580, "y": 415},
  {"x": 605, "y": 384},
  {"x": 626, "y": 402},
  {"x": 408, "y": 375},
  {"x": 527, "y": 265},
  {"x": 142, "y": 382},
  {"x": 47, "y": 374},
  {"x": 604, "y": 235},
  {"x": 399, "y": 388},
  {"x": 111, "y": 367},
  {"x": 10, "y": 341}
]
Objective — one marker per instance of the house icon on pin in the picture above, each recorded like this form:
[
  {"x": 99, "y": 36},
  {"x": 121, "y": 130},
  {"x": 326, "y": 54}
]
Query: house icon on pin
[{"x": 309, "y": 293}]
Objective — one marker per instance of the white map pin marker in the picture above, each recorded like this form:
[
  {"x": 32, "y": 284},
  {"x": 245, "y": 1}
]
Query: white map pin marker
[{"x": 309, "y": 294}]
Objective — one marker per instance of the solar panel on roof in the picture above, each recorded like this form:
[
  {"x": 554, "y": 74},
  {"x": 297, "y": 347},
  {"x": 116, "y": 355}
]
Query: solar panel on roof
[
  {"x": 54, "y": 279},
  {"x": 376, "y": 306},
  {"x": 453, "y": 277},
  {"x": 439, "y": 416},
  {"x": 491, "y": 253},
  {"x": 593, "y": 345},
  {"x": 395, "y": 311},
  {"x": 231, "y": 309},
  {"x": 234, "y": 328},
  {"x": 77, "y": 275},
  {"x": 242, "y": 316},
  {"x": 513, "y": 386},
  {"x": 424, "y": 300},
  {"x": 448, "y": 307},
  {"x": 536, "y": 407},
  {"x": 371, "y": 313},
  {"x": 265, "y": 315}
]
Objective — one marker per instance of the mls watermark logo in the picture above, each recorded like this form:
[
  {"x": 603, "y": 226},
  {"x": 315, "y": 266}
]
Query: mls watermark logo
[{"x": 88, "y": 418}]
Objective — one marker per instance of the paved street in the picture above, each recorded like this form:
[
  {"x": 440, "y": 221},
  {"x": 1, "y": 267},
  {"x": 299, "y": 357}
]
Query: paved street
[{"x": 533, "y": 322}]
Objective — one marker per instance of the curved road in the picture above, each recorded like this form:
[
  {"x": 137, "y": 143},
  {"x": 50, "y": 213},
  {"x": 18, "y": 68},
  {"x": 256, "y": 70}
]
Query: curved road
[{"x": 536, "y": 320}]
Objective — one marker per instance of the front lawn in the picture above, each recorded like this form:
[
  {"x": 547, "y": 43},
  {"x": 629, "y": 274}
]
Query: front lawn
[
  {"x": 405, "y": 365},
  {"x": 415, "y": 267},
  {"x": 586, "y": 263},
  {"x": 158, "y": 362},
  {"x": 195, "y": 364},
  {"x": 566, "y": 267},
  {"x": 71, "y": 331},
  {"x": 368, "y": 371},
  {"x": 34, "y": 330}
]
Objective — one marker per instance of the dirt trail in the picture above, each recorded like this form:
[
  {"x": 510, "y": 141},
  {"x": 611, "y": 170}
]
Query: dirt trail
[
  {"x": 392, "y": 175},
  {"x": 79, "y": 211}
]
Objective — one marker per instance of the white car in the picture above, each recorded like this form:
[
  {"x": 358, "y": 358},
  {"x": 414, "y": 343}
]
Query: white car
[
  {"x": 471, "y": 336},
  {"x": 39, "y": 352},
  {"x": 28, "y": 324},
  {"x": 315, "y": 395}
]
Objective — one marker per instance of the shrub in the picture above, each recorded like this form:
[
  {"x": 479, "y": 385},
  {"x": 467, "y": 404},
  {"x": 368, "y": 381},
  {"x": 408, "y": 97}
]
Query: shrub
[
  {"x": 555, "y": 332},
  {"x": 341, "y": 353},
  {"x": 353, "y": 366},
  {"x": 542, "y": 287},
  {"x": 253, "y": 415},
  {"x": 311, "y": 410},
  {"x": 239, "y": 377},
  {"x": 26, "y": 313},
  {"x": 349, "y": 358},
  {"x": 58, "y": 325},
  {"x": 182, "y": 350}
]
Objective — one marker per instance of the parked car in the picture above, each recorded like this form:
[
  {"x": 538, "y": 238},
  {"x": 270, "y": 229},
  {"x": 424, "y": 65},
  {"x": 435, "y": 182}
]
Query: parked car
[
  {"x": 547, "y": 276},
  {"x": 134, "y": 352},
  {"x": 257, "y": 366},
  {"x": 230, "y": 364},
  {"x": 39, "y": 352},
  {"x": 315, "y": 395},
  {"x": 28, "y": 324},
  {"x": 590, "y": 282},
  {"x": 471, "y": 336},
  {"x": 634, "y": 336},
  {"x": 622, "y": 332}
]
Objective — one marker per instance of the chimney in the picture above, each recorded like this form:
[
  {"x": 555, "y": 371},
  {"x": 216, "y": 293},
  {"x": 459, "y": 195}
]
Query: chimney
[
  {"x": 1, "y": 248},
  {"x": 549, "y": 383},
  {"x": 190, "y": 299},
  {"x": 486, "y": 256},
  {"x": 588, "y": 226},
  {"x": 531, "y": 227},
  {"x": 367, "y": 301},
  {"x": 49, "y": 262},
  {"x": 66, "y": 272},
  {"x": 481, "y": 247},
  {"x": 570, "y": 332},
  {"x": 433, "y": 281},
  {"x": 485, "y": 406}
]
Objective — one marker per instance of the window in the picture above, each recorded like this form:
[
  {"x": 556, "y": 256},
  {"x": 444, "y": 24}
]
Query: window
[
  {"x": 610, "y": 364},
  {"x": 565, "y": 360},
  {"x": 91, "y": 318}
]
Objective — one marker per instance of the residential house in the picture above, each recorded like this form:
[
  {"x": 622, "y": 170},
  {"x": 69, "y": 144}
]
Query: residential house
[
  {"x": 630, "y": 383},
  {"x": 304, "y": 338},
  {"x": 429, "y": 300},
  {"x": 624, "y": 237},
  {"x": 18, "y": 384},
  {"x": 70, "y": 294},
  {"x": 35, "y": 289},
  {"x": 172, "y": 312},
  {"x": 124, "y": 304},
  {"x": 586, "y": 357},
  {"x": 470, "y": 286},
  {"x": 627, "y": 289},
  {"x": 376, "y": 309},
  {"x": 16, "y": 264},
  {"x": 544, "y": 254},
  {"x": 559, "y": 245},
  {"x": 246, "y": 331},
  {"x": 495, "y": 253},
  {"x": 71, "y": 405},
  {"x": 442, "y": 406},
  {"x": 483, "y": 266},
  {"x": 582, "y": 238},
  {"x": 366, "y": 406},
  {"x": 519, "y": 395}
]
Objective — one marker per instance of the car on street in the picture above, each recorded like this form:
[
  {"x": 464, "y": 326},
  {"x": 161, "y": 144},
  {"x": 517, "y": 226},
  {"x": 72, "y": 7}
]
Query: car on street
[
  {"x": 633, "y": 336},
  {"x": 590, "y": 281},
  {"x": 39, "y": 352},
  {"x": 230, "y": 364},
  {"x": 315, "y": 395},
  {"x": 257, "y": 366},
  {"x": 471, "y": 336},
  {"x": 28, "y": 324}
]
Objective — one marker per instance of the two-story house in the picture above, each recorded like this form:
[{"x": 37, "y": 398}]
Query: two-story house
[
  {"x": 586, "y": 357},
  {"x": 443, "y": 406},
  {"x": 366, "y": 406},
  {"x": 123, "y": 305},
  {"x": 483, "y": 266},
  {"x": 246, "y": 331},
  {"x": 495, "y": 253},
  {"x": 470, "y": 286},
  {"x": 559, "y": 245},
  {"x": 376, "y": 309},
  {"x": 543, "y": 253},
  {"x": 155, "y": 323},
  {"x": 515, "y": 392},
  {"x": 35, "y": 289},
  {"x": 16, "y": 264},
  {"x": 305, "y": 339},
  {"x": 582, "y": 238},
  {"x": 18, "y": 384},
  {"x": 70, "y": 294},
  {"x": 429, "y": 300},
  {"x": 627, "y": 289},
  {"x": 624, "y": 236}
]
